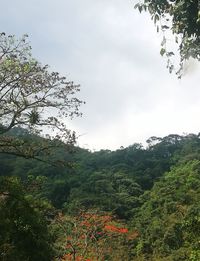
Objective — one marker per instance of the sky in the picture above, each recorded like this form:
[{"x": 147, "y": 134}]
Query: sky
[{"x": 112, "y": 51}]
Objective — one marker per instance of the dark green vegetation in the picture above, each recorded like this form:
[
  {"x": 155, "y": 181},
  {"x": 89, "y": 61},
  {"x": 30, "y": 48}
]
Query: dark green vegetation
[
  {"x": 156, "y": 191},
  {"x": 23, "y": 225},
  {"x": 61, "y": 202}
]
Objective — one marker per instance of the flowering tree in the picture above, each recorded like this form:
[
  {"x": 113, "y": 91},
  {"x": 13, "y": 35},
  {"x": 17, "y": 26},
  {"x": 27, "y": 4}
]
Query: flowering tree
[{"x": 94, "y": 236}]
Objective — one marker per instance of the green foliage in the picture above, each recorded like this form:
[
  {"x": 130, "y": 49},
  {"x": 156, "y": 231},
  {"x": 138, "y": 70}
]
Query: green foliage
[
  {"x": 108, "y": 191},
  {"x": 24, "y": 228},
  {"x": 33, "y": 98},
  {"x": 182, "y": 18},
  {"x": 155, "y": 189},
  {"x": 169, "y": 219}
]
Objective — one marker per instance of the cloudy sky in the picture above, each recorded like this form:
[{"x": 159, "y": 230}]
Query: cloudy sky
[{"x": 113, "y": 52}]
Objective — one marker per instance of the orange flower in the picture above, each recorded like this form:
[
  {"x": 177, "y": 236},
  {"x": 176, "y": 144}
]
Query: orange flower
[
  {"x": 111, "y": 228},
  {"x": 116, "y": 229},
  {"x": 123, "y": 230}
]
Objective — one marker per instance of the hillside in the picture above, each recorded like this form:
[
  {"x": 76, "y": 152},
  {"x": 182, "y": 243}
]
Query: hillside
[{"x": 153, "y": 192}]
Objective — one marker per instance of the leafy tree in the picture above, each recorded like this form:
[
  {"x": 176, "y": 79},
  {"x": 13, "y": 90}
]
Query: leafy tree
[
  {"x": 93, "y": 235},
  {"x": 182, "y": 17},
  {"x": 107, "y": 191},
  {"x": 33, "y": 98},
  {"x": 168, "y": 221},
  {"x": 23, "y": 224},
  {"x": 157, "y": 187}
]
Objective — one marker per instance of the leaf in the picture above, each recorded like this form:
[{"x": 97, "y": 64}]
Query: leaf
[
  {"x": 140, "y": 8},
  {"x": 162, "y": 51},
  {"x": 170, "y": 54},
  {"x": 156, "y": 18},
  {"x": 136, "y": 6},
  {"x": 165, "y": 27},
  {"x": 163, "y": 41}
]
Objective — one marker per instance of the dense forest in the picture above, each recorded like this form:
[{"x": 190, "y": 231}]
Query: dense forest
[
  {"x": 61, "y": 202},
  {"x": 142, "y": 202}
]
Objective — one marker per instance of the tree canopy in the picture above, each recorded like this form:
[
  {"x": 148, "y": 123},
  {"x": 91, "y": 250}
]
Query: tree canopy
[
  {"x": 136, "y": 203},
  {"x": 33, "y": 98},
  {"x": 182, "y": 18}
]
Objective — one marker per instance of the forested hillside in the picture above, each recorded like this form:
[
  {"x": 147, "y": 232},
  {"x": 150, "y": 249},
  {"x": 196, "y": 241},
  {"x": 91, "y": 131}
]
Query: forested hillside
[
  {"x": 142, "y": 202},
  {"x": 60, "y": 202}
]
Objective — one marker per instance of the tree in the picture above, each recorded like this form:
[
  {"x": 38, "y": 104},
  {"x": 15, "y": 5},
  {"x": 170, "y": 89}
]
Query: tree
[
  {"x": 182, "y": 17},
  {"x": 93, "y": 235},
  {"x": 24, "y": 224},
  {"x": 168, "y": 221},
  {"x": 33, "y": 98}
]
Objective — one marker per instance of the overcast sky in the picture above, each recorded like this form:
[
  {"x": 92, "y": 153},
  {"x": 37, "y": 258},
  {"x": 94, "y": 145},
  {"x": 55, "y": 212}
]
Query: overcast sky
[{"x": 113, "y": 52}]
